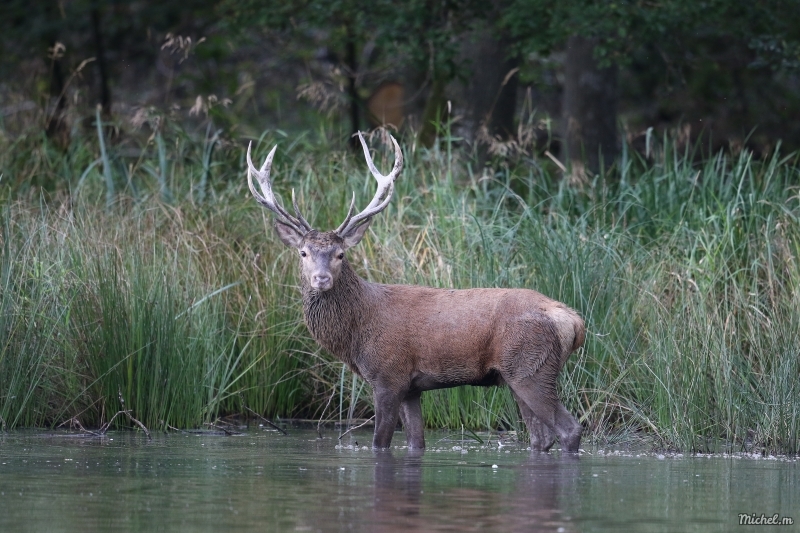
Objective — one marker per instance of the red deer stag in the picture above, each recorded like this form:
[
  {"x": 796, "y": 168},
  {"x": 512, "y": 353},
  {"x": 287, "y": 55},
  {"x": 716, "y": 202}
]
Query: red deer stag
[{"x": 406, "y": 339}]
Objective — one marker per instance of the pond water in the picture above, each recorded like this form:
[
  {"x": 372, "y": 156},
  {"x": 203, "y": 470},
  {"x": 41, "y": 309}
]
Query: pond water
[{"x": 265, "y": 481}]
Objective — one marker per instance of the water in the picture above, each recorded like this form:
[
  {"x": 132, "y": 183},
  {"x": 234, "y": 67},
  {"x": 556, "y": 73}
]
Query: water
[{"x": 268, "y": 482}]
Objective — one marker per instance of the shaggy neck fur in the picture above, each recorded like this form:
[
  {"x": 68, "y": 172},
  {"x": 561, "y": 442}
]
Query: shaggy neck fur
[{"x": 333, "y": 316}]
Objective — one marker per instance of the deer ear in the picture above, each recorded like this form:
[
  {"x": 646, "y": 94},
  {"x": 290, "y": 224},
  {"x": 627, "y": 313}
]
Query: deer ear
[
  {"x": 354, "y": 236},
  {"x": 289, "y": 235}
]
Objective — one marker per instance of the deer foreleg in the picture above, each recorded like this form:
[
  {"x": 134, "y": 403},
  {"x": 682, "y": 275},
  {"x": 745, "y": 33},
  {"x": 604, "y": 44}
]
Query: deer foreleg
[
  {"x": 387, "y": 411},
  {"x": 411, "y": 416}
]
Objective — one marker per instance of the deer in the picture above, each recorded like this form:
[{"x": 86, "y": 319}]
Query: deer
[{"x": 408, "y": 339}]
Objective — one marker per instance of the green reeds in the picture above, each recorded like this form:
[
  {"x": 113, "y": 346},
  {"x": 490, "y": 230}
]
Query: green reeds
[
  {"x": 33, "y": 310},
  {"x": 686, "y": 274}
]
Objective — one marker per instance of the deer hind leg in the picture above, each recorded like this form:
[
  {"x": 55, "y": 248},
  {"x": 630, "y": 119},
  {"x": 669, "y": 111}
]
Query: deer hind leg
[
  {"x": 569, "y": 427},
  {"x": 542, "y": 439},
  {"x": 411, "y": 416},
  {"x": 538, "y": 392},
  {"x": 536, "y": 347}
]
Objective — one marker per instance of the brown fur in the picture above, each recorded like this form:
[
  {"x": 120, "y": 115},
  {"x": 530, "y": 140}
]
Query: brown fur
[{"x": 406, "y": 339}]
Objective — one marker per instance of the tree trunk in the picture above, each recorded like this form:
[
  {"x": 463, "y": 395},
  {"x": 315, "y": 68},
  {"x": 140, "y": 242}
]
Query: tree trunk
[
  {"x": 105, "y": 92},
  {"x": 352, "y": 91},
  {"x": 492, "y": 90},
  {"x": 56, "y": 128},
  {"x": 590, "y": 110},
  {"x": 433, "y": 115}
]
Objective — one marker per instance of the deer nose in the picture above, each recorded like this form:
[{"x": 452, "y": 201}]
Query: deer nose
[{"x": 321, "y": 281}]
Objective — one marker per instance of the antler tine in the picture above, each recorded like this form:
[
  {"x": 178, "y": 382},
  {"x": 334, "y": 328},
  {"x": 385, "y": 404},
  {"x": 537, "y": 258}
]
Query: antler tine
[
  {"x": 349, "y": 214},
  {"x": 267, "y": 199},
  {"x": 297, "y": 212},
  {"x": 385, "y": 188}
]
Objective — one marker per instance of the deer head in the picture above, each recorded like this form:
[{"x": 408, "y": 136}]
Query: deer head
[{"x": 322, "y": 253}]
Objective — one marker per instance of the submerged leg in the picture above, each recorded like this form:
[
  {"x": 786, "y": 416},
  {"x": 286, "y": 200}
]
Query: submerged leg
[
  {"x": 387, "y": 411},
  {"x": 411, "y": 416},
  {"x": 569, "y": 429},
  {"x": 542, "y": 439},
  {"x": 540, "y": 397}
]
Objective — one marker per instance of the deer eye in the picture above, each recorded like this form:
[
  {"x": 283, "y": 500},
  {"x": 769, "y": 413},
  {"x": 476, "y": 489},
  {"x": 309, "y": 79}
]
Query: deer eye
[
  {"x": 341, "y": 255},
  {"x": 302, "y": 253}
]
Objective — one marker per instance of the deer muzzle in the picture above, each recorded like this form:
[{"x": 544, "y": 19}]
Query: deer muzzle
[{"x": 321, "y": 281}]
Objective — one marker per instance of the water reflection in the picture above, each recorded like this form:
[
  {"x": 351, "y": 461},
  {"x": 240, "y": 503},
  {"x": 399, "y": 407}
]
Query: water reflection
[
  {"x": 527, "y": 497},
  {"x": 262, "y": 481},
  {"x": 397, "y": 489}
]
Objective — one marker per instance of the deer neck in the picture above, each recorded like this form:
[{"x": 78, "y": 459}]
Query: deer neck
[{"x": 333, "y": 316}]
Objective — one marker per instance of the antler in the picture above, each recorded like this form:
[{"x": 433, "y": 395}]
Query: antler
[
  {"x": 382, "y": 196},
  {"x": 268, "y": 199}
]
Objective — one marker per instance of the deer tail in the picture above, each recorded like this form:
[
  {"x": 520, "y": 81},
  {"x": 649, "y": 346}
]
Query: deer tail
[
  {"x": 580, "y": 332},
  {"x": 571, "y": 330}
]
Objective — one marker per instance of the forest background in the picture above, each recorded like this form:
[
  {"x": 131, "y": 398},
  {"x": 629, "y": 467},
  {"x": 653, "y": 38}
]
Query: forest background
[{"x": 633, "y": 159}]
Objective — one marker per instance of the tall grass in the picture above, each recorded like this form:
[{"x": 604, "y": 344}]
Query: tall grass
[{"x": 686, "y": 273}]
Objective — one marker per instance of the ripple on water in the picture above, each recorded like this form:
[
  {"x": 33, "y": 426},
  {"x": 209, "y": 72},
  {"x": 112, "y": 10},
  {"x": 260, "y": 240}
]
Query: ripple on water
[{"x": 263, "y": 480}]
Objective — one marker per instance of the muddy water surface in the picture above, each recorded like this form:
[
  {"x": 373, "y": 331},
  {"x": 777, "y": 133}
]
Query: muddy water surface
[{"x": 263, "y": 481}]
